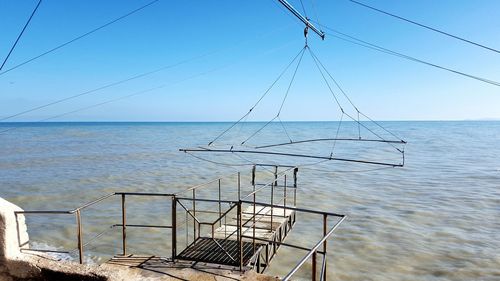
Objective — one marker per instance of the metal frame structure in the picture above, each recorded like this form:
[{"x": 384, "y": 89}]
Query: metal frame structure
[{"x": 246, "y": 250}]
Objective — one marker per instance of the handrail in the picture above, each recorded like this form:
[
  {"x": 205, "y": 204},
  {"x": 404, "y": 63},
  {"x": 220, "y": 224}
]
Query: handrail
[
  {"x": 205, "y": 183},
  {"x": 282, "y": 174},
  {"x": 88, "y": 204},
  {"x": 297, "y": 209},
  {"x": 313, "y": 250}
]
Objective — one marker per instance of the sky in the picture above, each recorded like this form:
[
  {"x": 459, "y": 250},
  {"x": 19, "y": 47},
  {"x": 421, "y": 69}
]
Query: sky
[{"x": 232, "y": 51}]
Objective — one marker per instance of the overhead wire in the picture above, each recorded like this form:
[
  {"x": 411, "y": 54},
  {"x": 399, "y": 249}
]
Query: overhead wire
[
  {"x": 143, "y": 91},
  {"x": 131, "y": 78},
  {"x": 20, "y": 34},
  {"x": 363, "y": 43},
  {"x": 259, "y": 100},
  {"x": 426, "y": 27},
  {"x": 79, "y": 37},
  {"x": 284, "y": 98}
]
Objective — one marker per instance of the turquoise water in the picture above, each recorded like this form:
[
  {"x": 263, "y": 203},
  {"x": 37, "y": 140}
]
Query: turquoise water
[{"x": 437, "y": 218}]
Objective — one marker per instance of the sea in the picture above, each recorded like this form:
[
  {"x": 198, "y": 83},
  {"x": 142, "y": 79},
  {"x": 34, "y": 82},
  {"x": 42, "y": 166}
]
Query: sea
[{"x": 435, "y": 218}]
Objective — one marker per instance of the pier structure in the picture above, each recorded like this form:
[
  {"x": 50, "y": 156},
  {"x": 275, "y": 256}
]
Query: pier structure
[{"x": 240, "y": 229}]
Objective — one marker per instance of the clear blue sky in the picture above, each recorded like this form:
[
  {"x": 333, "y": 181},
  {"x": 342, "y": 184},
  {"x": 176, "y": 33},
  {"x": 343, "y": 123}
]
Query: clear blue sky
[{"x": 254, "y": 40}]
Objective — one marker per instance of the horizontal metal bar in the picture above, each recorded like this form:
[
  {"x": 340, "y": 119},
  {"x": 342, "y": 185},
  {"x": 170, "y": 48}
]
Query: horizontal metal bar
[
  {"x": 332, "y": 139},
  {"x": 145, "y": 225},
  {"x": 314, "y": 249},
  {"x": 45, "y": 251},
  {"x": 41, "y": 212},
  {"x": 282, "y": 244},
  {"x": 282, "y": 174},
  {"x": 206, "y": 200},
  {"x": 93, "y": 202},
  {"x": 293, "y": 155},
  {"x": 302, "y": 18},
  {"x": 145, "y": 194},
  {"x": 276, "y": 186},
  {"x": 205, "y": 211},
  {"x": 295, "y": 209},
  {"x": 206, "y": 183}
]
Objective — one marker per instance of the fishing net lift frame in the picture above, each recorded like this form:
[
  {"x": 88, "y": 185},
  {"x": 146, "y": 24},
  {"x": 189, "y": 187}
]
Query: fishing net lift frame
[{"x": 323, "y": 71}]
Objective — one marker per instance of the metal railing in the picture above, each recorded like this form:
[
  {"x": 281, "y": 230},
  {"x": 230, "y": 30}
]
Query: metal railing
[
  {"x": 78, "y": 216},
  {"x": 273, "y": 201}
]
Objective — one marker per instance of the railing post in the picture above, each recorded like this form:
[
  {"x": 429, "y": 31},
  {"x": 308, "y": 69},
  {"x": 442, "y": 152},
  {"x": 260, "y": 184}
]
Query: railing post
[
  {"x": 174, "y": 228},
  {"x": 325, "y": 225},
  {"x": 295, "y": 170},
  {"x": 314, "y": 266},
  {"x": 220, "y": 206},
  {"x": 79, "y": 235},
  {"x": 254, "y": 211},
  {"x": 194, "y": 215},
  {"x": 272, "y": 208},
  {"x": 253, "y": 174},
  {"x": 284, "y": 197},
  {"x": 240, "y": 239},
  {"x": 275, "y": 175},
  {"x": 124, "y": 226},
  {"x": 239, "y": 186}
]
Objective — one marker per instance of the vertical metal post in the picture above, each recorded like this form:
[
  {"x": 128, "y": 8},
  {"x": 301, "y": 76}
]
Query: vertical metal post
[
  {"x": 314, "y": 266},
  {"x": 272, "y": 207},
  {"x": 239, "y": 186},
  {"x": 275, "y": 175},
  {"x": 253, "y": 174},
  {"x": 325, "y": 225},
  {"x": 194, "y": 215},
  {"x": 79, "y": 235},
  {"x": 284, "y": 197},
  {"x": 220, "y": 208},
  {"x": 174, "y": 228},
  {"x": 240, "y": 239},
  {"x": 295, "y": 186},
  {"x": 124, "y": 226},
  {"x": 254, "y": 211}
]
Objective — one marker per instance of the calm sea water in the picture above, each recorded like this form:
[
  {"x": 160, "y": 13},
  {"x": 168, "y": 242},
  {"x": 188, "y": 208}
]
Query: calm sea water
[{"x": 438, "y": 218}]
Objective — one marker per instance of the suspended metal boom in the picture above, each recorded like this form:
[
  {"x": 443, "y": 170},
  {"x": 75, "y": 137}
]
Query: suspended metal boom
[{"x": 302, "y": 18}]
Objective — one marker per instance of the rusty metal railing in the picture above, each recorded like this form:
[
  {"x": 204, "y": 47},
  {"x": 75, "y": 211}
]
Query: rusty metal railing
[
  {"x": 273, "y": 201},
  {"x": 79, "y": 230}
]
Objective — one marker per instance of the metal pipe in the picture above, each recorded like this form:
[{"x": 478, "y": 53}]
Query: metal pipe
[
  {"x": 240, "y": 240},
  {"x": 314, "y": 249},
  {"x": 239, "y": 186},
  {"x": 284, "y": 196},
  {"x": 314, "y": 256},
  {"x": 145, "y": 194},
  {"x": 322, "y": 276},
  {"x": 92, "y": 202},
  {"x": 331, "y": 139},
  {"x": 124, "y": 226},
  {"x": 220, "y": 207},
  {"x": 272, "y": 204},
  {"x": 206, "y": 200},
  {"x": 302, "y": 19},
  {"x": 295, "y": 155},
  {"x": 297, "y": 209},
  {"x": 194, "y": 214},
  {"x": 295, "y": 171},
  {"x": 145, "y": 225},
  {"x": 325, "y": 225},
  {"x": 79, "y": 236},
  {"x": 174, "y": 228}
]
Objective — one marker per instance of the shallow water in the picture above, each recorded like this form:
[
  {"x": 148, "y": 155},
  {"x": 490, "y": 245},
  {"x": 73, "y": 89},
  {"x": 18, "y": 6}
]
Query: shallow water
[{"x": 437, "y": 218}]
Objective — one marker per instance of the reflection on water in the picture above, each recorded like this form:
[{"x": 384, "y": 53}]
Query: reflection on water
[{"x": 434, "y": 219}]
